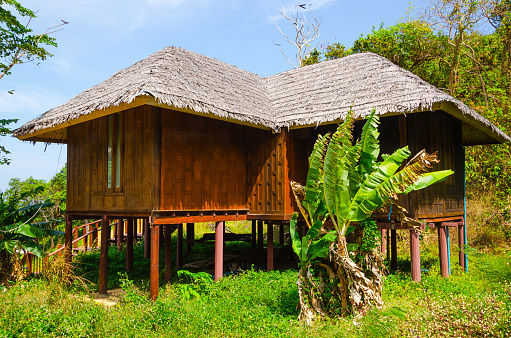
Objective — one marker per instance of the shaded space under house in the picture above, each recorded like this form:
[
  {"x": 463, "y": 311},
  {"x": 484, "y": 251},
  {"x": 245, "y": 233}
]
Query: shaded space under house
[{"x": 183, "y": 138}]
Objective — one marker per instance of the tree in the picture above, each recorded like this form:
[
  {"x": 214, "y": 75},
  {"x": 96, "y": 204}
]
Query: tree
[
  {"x": 18, "y": 45},
  {"x": 345, "y": 185},
  {"x": 306, "y": 30}
]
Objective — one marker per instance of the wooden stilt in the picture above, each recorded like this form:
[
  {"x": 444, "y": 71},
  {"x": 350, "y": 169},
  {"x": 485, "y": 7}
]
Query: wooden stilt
[
  {"x": 269, "y": 247},
  {"x": 120, "y": 233},
  {"x": 95, "y": 236},
  {"x": 383, "y": 248},
  {"x": 135, "y": 229},
  {"x": 103, "y": 255},
  {"x": 179, "y": 255},
  {"x": 160, "y": 235},
  {"x": 260, "y": 237},
  {"x": 442, "y": 247},
  {"x": 415, "y": 258},
  {"x": 168, "y": 253},
  {"x": 219, "y": 250},
  {"x": 254, "y": 233},
  {"x": 147, "y": 238},
  {"x": 281, "y": 234},
  {"x": 75, "y": 237},
  {"x": 461, "y": 242},
  {"x": 129, "y": 245},
  {"x": 393, "y": 249},
  {"x": 155, "y": 260},
  {"x": 69, "y": 240},
  {"x": 190, "y": 237}
]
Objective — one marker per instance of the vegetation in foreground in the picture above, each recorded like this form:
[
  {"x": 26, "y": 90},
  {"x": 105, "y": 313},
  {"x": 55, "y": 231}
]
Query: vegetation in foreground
[{"x": 265, "y": 304}]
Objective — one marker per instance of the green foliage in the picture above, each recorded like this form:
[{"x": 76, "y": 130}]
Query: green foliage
[
  {"x": 4, "y": 130},
  {"x": 197, "y": 285},
  {"x": 347, "y": 184},
  {"x": 19, "y": 45},
  {"x": 257, "y": 304},
  {"x": 17, "y": 229}
]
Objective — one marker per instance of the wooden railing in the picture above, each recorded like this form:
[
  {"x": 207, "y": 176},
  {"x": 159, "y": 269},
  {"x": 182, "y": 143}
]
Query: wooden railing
[{"x": 86, "y": 234}]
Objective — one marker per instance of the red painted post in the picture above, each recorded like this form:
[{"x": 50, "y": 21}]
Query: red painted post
[
  {"x": 254, "y": 233},
  {"x": 29, "y": 262},
  {"x": 461, "y": 242},
  {"x": 442, "y": 246},
  {"x": 147, "y": 238},
  {"x": 190, "y": 237},
  {"x": 383, "y": 248},
  {"x": 95, "y": 236},
  {"x": 86, "y": 238},
  {"x": 269, "y": 247},
  {"x": 129, "y": 245},
  {"x": 179, "y": 254},
  {"x": 393, "y": 249},
  {"x": 155, "y": 260},
  {"x": 168, "y": 253},
  {"x": 103, "y": 255},
  {"x": 75, "y": 237},
  {"x": 219, "y": 250},
  {"x": 68, "y": 256},
  {"x": 415, "y": 256}
]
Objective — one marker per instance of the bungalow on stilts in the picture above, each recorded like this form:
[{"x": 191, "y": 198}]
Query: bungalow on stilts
[{"x": 180, "y": 138}]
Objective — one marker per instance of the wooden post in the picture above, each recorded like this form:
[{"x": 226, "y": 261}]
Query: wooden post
[
  {"x": 281, "y": 234},
  {"x": 135, "y": 229},
  {"x": 86, "y": 238},
  {"x": 383, "y": 248},
  {"x": 461, "y": 242},
  {"x": 68, "y": 256},
  {"x": 147, "y": 238},
  {"x": 190, "y": 237},
  {"x": 269, "y": 247},
  {"x": 393, "y": 249},
  {"x": 219, "y": 250},
  {"x": 254, "y": 233},
  {"x": 415, "y": 258},
  {"x": 129, "y": 245},
  {"x": 103, "y": 255},
  {"x": 161, "y": 237},
  {"x": 95, "y": 236},
  {"x": 28, "y": 256},
  {"x": 168, "y": 253},
  {"x": 120, "y": 233},
  {"x": 75, "y": 237},
  {"x": 179, "y": 255},
  {"x": 442, "y": 247},
  {"x": 155, "y": 260},
  {"x": 260, "y": 237}
]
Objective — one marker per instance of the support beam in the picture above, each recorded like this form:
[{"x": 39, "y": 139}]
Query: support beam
[
  {"x": 254, "y": 233},
  {"x": 269, "y": 246},
  {"x": 442, "y": 248},
  {"x": 155, "y": 260},
  {"x": 147, "y": 238},
  {"x": 68, "y": 256},
  {"x": 219, "y": 250},
  {"x": 393, "y": 249},
  {"x": 129, "y": 245},
  {"x": 190, "y": 237},
  {"x": 415, "y": 258},
  {"x": 179, "y": 255},
  {"x": 260, "y": 237},
  {"x": 103, "y": 255},
  {"x": 383, "y": 248},
  {"x": 461, "y": 242},
  {"x": 281, "y": 234},
  {"x": 161, "y": 237},
  {"x": 120, "y": 233},
  {"x": 168, "y": 253}
]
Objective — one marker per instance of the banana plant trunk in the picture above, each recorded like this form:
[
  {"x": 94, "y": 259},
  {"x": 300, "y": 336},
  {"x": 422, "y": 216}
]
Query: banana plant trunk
[{"x": 338, "y": 286}]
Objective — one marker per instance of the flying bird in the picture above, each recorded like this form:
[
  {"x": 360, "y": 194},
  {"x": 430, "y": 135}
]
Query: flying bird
[{"x": 302, "y": 6}]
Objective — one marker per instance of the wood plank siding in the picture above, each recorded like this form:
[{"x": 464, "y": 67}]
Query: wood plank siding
[{"x": 88, "y": 164}]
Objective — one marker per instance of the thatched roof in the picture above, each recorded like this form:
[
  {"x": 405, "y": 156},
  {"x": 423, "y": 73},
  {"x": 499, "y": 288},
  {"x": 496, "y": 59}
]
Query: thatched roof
[{"x": 308, "y": 96}]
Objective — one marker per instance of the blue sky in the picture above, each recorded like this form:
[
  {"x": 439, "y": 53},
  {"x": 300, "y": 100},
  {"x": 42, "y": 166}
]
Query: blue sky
[{"x": 104, "y": 36}]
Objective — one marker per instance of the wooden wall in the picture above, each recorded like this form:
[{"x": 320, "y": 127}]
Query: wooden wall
[
  {"x": 87, "y": 164},
  {"x": 203, "y": 163}
]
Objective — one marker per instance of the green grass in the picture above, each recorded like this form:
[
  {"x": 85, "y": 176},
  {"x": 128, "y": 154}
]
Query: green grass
[{"x": 263, "y": 304}]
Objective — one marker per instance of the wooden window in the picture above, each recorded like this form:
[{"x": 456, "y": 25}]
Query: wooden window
[{"x": 115, "y": 137}]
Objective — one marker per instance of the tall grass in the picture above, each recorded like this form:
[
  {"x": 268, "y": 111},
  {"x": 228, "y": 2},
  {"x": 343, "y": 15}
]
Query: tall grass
[{"x": 262, "y": 304}]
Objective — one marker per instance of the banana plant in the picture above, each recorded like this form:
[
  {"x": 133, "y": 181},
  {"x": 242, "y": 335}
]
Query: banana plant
[{"x": 346, "y": 184}]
